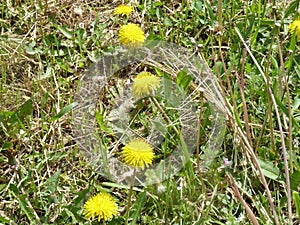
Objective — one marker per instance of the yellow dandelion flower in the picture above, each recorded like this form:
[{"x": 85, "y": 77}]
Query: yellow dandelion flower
[
  {"x": 131, "y": 35},
  {"x": 102, "y": 205},
  {"x": 123, "y": 10},
  {"x": 145, "y": 84},
  {"x": 138, "y": 153},
  {"x": 295, "y": 27}
]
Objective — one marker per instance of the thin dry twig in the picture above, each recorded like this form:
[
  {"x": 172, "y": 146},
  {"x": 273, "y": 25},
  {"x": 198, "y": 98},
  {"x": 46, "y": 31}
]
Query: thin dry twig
[
  {"x": 289, "y": 131},
  {"x": 240, "y": 198},
  {"x": 247, "y": 146},
  {"x": 241, "y": 83},
  {"x": 281, "y": 133}
]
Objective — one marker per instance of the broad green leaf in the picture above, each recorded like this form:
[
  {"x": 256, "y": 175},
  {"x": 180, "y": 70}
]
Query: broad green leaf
[
  {"x": 249, "y": 30},
  {"x": 120, "y": 186},
  {"x": 62, "y": 64},
  {"x": 31, "y": 49},
  {"x": 218, "y": 68},
  {"x": 67, "y": 33},
  {"x": 22, "y": 202},
  {"x": 295, "y": 180},
  {"x": 115, "y": 220},
  {"x": 7, "y": 145},
  {"x": 3, "y": 220},
  {"x": 79, "y": 37},
  {"x": 296, "y": 103},
  {"x": 269, "y": 170},
  {"x": 167, "y": 86},
  {"x": 197, "y": 5},
  {"x": 10, "y": 119},
  {"x": 160, "y": 127},
  {"x": 26, "y": 209},
  {"x": 52, "y": 182},
  {"x": 64, "y": 111},
  {"x": 167, "y": 22},
  {"x": 157, "y": 4},
  {"x": 291, "y": 8},
  {"x": 14, "y": 189},
  {"x": 70, "y": 214},
  {"x": 48, "y": 40},
  {"x": 285, "y": 110},
  {"x": 44, "y": 100},
  {"x": 25, "y": 110},
  {"x": 100, "y": 121},
  {"x": 296, "y": 198},
  {"x": 211, "y": 11},
  {"x": 159, "y": 13},
  {"x": 81, "y": 196},
  {"x": 292, "y": 47},
  {"x": 186, "y": 158},
  {"x": 183, "y": 79}
]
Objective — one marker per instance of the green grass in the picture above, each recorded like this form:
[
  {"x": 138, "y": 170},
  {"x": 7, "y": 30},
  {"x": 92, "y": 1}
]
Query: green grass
[{"x": 45, "y": 48}]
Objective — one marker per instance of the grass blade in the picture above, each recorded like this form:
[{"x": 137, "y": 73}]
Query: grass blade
[{"x": 64, "y": 111}]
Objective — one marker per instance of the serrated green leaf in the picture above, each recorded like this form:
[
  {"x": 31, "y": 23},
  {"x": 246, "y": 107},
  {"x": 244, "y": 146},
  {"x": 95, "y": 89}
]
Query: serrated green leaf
[
  {"x": 64, "y": 111},
  {"x": 52, "y": 182}
]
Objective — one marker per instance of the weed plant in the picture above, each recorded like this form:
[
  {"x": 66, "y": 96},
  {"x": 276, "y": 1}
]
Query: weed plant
[{"x": 252, "y": 178}]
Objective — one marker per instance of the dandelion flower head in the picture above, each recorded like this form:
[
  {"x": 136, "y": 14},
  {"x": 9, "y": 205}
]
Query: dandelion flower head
[
  {"x": 131, "y": 35},
  {"x": 295, "y": 27},
  {"x": 123, "y": 10},
  {"x": 145, "y": 84},
  {"x": 138, "y": 153},
  {"x": 102, "y": 205}
]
